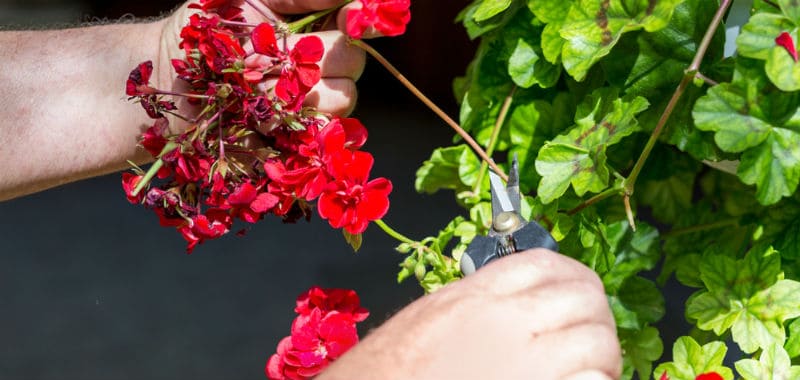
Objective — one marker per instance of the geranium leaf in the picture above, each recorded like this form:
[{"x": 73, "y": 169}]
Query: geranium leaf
[
  {"x": 747, "y": 296},
  {"x": 757, "y": 38},
  {"x": 792, "y": 345},
  {"x": 648, "y": 64},
  {"x": 553, "y": 13},
  {"x": 448, "y": 168},
  {"x": 635, "y": 251},
  {"x": 490, "y": 8},
  {"x": 579, "y": 157},
  {"x": 691, "y": 360},
  {"x": 773, "y": 364},
  {"x": 791, "y": 9},
  {"x": 772, "y": 157},
  {"x": 782, "y": 69},
  {"x": 637, "y": 303},
  {"x": 641, "y": 348},
  {"x": 593, "y": 27}
]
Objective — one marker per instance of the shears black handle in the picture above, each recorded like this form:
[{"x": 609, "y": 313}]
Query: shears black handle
[{"x": 484, "y": 249}]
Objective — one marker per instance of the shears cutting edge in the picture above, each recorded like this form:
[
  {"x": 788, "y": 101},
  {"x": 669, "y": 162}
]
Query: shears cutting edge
[{"x": 510, "y": 232}]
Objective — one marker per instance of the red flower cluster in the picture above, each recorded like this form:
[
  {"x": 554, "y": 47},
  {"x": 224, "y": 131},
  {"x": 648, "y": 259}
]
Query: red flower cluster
[
  {"x": 249, "y": 153},
  {"x": 389, "y": 17},
  {"x": 325, "y": 328}
]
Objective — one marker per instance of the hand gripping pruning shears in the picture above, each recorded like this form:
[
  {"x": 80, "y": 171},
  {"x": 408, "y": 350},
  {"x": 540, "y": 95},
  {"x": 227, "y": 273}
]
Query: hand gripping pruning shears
[{"x": 510, "y": 232}]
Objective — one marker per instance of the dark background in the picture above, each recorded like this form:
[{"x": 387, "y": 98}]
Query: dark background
[{"x": 92, "y": 287}]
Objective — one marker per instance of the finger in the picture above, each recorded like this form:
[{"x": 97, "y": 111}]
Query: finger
[
  {"x": 561, "y": 305},
  {"x": 340, "y": 59},
  {"x": 589, "y": 375},
  {"x": 529, "y": 269},
  {"x": 300, "y": 6},
  {"x": 589, "y": 347},
  {"x": 336, "y": 96}
]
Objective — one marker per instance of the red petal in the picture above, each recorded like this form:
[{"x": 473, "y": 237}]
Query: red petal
[
  {"x": 709, "y": 376},
  {"x": 330, "y": 209},
  {"x": 243, "y": 195},
  {"x": 308, "y": 75},
  {"x": 360, "y": 167},
  {"x": 308, "y": 50},
  {"x": 263, "y": 38},
  {"x": 355, "y": 132},
  {"x": 785, "y": 40},
  {"x": 264, "y": 202},
  {"x": 375, "y": 202}
]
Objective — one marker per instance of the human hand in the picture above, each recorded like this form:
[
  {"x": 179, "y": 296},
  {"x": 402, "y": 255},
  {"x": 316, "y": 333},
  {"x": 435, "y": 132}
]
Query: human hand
[
  {"x": 533, "y": 315},
  {"x": 341, "y": 64}
]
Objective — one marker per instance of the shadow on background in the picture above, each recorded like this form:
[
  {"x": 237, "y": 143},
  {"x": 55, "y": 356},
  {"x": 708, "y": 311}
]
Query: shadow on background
[{"x": 92, "y": 288}]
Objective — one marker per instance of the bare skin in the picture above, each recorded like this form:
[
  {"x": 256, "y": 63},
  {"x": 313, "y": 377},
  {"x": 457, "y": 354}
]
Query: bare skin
[{"x": 535, "y": 315}]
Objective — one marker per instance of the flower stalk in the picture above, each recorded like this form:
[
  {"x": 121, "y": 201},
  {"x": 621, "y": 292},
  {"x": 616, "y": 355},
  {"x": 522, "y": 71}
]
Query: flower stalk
[{"x": 430, "y": 104}]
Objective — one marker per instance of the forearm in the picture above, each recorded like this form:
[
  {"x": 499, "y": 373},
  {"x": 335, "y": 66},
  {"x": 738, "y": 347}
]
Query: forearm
[{"x": 64, "y": 115}]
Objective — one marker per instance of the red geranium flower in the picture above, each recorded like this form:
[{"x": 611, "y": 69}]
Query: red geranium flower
[
  {"x": 317, "y": 339},
  {"x": 302, "y": 73},
  {"x": 138, "y": 83},
  {"x": 129, "y": 182},
  {"x": 351, "y": 202},
  {"x": 211, "y": 225},
  {"x": 389, "y": 17},
  {"x": 344, "y": 301},
  {"x": 250, "y": 205}
]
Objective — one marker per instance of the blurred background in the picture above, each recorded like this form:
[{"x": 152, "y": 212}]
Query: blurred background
[{"x": 92, "y": 287}]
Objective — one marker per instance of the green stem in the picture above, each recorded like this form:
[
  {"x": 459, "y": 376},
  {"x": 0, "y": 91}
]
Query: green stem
[
  {"x": 153, "y": 169},
  {"x": 298, "y": 25},
  {"x": 391, "y": 232},
  {"x": 430, "y": 104},
  {"x": 700, "y": 227},
  {"x": 501, "y": 119},
  {"x": 690, "y": 73},
  {"x": 597, "y": 198}
]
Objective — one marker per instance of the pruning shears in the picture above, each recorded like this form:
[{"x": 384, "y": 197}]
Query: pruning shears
[{"x": 510, "y": 232}]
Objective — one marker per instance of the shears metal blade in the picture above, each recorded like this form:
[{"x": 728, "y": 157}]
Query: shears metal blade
[{"x": 509, "y": 232}]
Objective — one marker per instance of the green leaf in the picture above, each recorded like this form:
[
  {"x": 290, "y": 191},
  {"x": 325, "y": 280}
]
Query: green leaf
[
  {"x": 593, "y": 27},
  {"x": 579, "y": 157},
  {"x": 757, "y": 37},
  {"x": 773, "y": 166},
  {"x": 782, "y": 69},
  {"x": 637, "y": 303},
  {"x": 490, "y": 8},
  {"x": 747, "y": 296},
  {"x": 773, "y": 364},
  {"x": 453, "y": 168},
  {"x": 475, "y": 28},
  {"x": 354, "y": 240},
  {"x": 667, "y": 184},
  {"x": 691, "y": 360},
  {"x": 641, "y": 348},
  {"x": 791, "y": 9},
  {"x": 792, "y": 345},
  {"x": 553, "y": 13},
  {"x": 651, "y": 64},
  {"x": 635, "y": 251},
  {"x": 587, "y": 242},
  {"x": 772, "y": 153}
]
